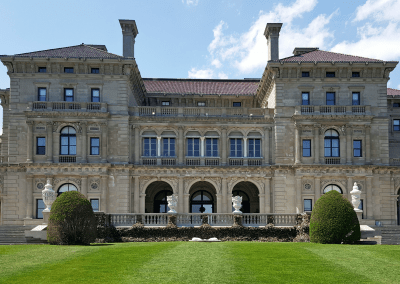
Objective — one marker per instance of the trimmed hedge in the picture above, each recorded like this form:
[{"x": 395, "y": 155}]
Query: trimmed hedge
[
  {"x": 334, "y": 221},
  {"x": 71, "y": 221}
]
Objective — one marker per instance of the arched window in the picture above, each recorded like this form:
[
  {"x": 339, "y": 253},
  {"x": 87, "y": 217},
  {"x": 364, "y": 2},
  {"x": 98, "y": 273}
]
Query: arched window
[
  {"x": 66, "y": 187},
  {"x": 68, "y": 141},
  {"x": 202, "y": 202},
  {"x": 160, "y": 201},
  {"x": 331, "y": 143},
  {"x": 332, "y": 187},
  {"x": 245, "y": 201}
]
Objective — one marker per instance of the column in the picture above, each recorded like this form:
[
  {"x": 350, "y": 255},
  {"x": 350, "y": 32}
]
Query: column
[
  {"x": 103, "y": 196},
  {"x": 223, "y": 145},
  {"x": 224, "y": 189},
  {"x": 317, "y": 188},
  {"x": 181, "y": 149},
  {"x": 262, "y": 199},
  {"x": 84, "y": 141},
  {"x": 266, "y": 145},
  {"x": 349, "y": 143},
  {"x": 245, "y": 147},
  {"x": 137, "y": 145},
  {"x": 142, "y": 204},
  {"x": 186, "y": 202},
  {"x": 299, "y": 205},
  {"x": 49, "y": 144},
  {"x": 297, "y": 146},
  {"x": 219, "y": 204},
  {"x": 368, "y": 144},
  {"x": 104, "y": 142},
  {"x": 158, "y": 146},
  {"x": 267, "y": 184},
  {"x": 180, "y": 195},
  {"x": 370, "y": 210},
  {"x": 84, "y": 186},
  {"x": 136, "y": 194},
  {"x": 322, "y": 146},
  {"x": 56, "y": 145},
  {"x": 29, "y": 197},
  {"x": 316, "y": 143},
  {"x": 349, "y": 187},
  {"x": 202, "y": 146},
  {"x": 29, "y": 142}
]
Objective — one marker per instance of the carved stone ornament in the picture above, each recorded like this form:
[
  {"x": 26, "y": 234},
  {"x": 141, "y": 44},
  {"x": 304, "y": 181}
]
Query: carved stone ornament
[
  {"x": 237, "y": 204},
  {"x": 355, "y": 197},
  {"x": 172, "y": 203},
  {"x": 48, "y": 195}
]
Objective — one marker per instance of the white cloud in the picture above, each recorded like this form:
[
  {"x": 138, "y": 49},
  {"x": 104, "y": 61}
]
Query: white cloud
[
  {"x": 222, "y": 75},
  {"x": 191, "y": 2},
  {"x": 216, "y": 63},
  {"x": 379, "y": 10},
  {"x": 200, "y": 74}
]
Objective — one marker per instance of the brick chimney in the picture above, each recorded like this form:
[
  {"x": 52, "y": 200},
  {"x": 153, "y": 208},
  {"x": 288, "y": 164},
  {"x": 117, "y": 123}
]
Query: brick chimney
[
  {"x": 129, "y": 33},
  {"x": 272, "y": 34}
]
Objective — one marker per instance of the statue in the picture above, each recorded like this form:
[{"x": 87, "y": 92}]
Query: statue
[
  {"x": 49, "y": 195},
  {"x": 172, "y": 203},
  {"x": 237, "y": 204},
  {"x": 355, "y": 197}
]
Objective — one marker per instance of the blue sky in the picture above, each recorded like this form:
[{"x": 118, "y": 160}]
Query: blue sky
[{"x": 204, "y": 38}]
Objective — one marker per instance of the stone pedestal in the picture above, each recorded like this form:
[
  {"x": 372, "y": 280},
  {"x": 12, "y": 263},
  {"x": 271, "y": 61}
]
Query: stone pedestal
[
  {"x": 171, "y": 220},
  {"x": 359, "y": 214},
  {"x": 237, "y": 220},
  {"x": 46, "y": 216},
  {"x": 204, "y": 220}
]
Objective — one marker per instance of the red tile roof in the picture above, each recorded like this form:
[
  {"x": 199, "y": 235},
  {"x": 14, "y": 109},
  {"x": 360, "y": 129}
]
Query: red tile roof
[
  {"x": 393, "y": 92},
  {"x": 77, "y": 51},
  {"x": 327, "y": 56},
  {"x": 202, "y": 86}
]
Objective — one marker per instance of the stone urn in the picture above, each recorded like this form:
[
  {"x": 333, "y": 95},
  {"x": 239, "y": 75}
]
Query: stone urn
[
  {"x": 237, "y": 204},
  {"x": 355, "y": 197},
  {"x": 172, "y": 203},
  {"x": 49, "y": 195}
]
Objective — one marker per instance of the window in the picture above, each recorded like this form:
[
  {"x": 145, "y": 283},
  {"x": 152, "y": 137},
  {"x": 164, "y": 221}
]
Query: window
[
  {"x": 95, "y": 204},
  {"x": 356, "y": 99},
  {"x": 361, "y": 207},
  {"x": 305, "y": 74},
  {"x": 305, "y": 98},
  {"x": 40, "y": 146},
  {"x": 330, "y": 99},
  {"x": 212, "y": 147},
  {"x": 331, "y": 144},
  {"x": 330, "y": 74},
  {"x": 396, "y": 125},
  {"x": 95, "y": 70},
  {"x": 42, "y": 94},
  {"x": 254, "y": 148},
  {"x": 169, "y": 147},
  {"x": 237, "y": 104},
  {"x": 236, "y": 147},
  {"x": 332, "y": 187},
  {"x": 68, "y": 141},
  {"x": 193, "y": 147},
  {"x": 94, "y": 146},
  {"x": 150, "y": 147},
  {"x": 66, "y": 187},
  {"x": 69, "y": 95},
  {"x": 160, "y": 201},
  {"x": 68, "y": 69},
  {"x": 42, "y": 70},
  {"x": 165, "y": 103},
  {"x": 396, "y": 105},
  {"x": 201, "y": 104},
  {"x": 355, "y": 74},
  {"x": 357, "y": 148},
  {"x": 40, "y": 206},
  {"x": 307, "y": 204},
  {"x": 201, "y": 202},
  {"x": 95, "y": 95},
  {"x": 307, "y": 148}
]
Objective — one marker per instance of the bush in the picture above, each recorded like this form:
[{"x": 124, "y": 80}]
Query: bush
[
  {"x": 71, "y": 221},
  {"x": 334, "y": 221}
]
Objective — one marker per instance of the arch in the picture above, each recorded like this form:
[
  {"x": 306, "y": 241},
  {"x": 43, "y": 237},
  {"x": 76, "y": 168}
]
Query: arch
[
  {"x": 189, "y": 186},
  {"x": 212, "y": 134},
  {"x": 148, "y": 132},
  {"x": 152, "y": 191},
  {"x": 254, "y": 130},
  {"x": 169, "y": 133},
  {"x": 236, "y": 132},
  {"x": 232, "y": 186},
  {"x": 251, "y": 191},
  {"x": 339, "y": 129},
  {"x": 66, "y": 187},
  {"x": 330, "y": 187},
  {"x": 146, "y": 185},
  {"x": 203, "y": 198},
  {"x": 68, "y": 124},
  {"x": 160, "y": 201},
  {"x": 193, "y": 133}
]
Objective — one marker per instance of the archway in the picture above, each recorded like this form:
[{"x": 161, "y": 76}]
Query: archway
[
  {"x": 250, "y": 199},
  {"x": 156, "y": 197},
  {"x": 66, "y": 187},
  {"x": 202, "y": 198}
]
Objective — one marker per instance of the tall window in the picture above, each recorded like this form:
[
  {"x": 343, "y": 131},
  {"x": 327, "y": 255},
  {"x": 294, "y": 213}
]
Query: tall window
[
  {"x": 150, "y": 147},
  {"x": 193, "y": 145},
  {"x": 331, "y": 143},
  {"x": 305, "y": 98},
  {"x": 307, "y": 204},
  {"x": 95, "y": 95},
  {"x": 169, "y": 147},
  {"x": 42, "y": 94},
  {"x": 69, "y": 95},
  {"x": 68, "y": 70},
  {"x": 160, "y": 201},
  {"x": 212, "y": 147},
  {"x": 40, "y": 146},
  {"x": 66, "y": 187},
  {"x": 40, "y": 206},
  {"x": 356, "y": 99},
  {"x": 330, "y": 99},
  {"x": 254, "y": 148},
  {"x": 396, "y": 125},
  {"x": 95, "y": 204},
  {"x": 68, "y": 141},
  {"x": 236, "y": 147},
  {"x": 357, "y": 148},
  {"x": 94, "y": 146},
  {"x": 307, "y": 148},
  {"x": 202, "y": 202}
]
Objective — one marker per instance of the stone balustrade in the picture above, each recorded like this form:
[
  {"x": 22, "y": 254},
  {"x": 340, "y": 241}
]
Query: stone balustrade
[
  {"x": 395, "y": 161},
  {"x": 67, "y": 106},
  {"x": 333, "y": 110}
]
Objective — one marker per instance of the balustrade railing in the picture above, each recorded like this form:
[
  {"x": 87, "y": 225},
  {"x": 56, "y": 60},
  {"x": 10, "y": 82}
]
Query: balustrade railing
[
  {"x": 236, "y": 161},
  {"x": 192, "y": 161},
  {"x": 68, "y": 106},
  {"x": 332, "y": 110},
  {"x": 67, "y": 159},
  {"x": 255, "y": 161},
  {"x": 168, "y": 161},
  {"x": 123, "y": 219},
  {"x": 155, "y": 219},
  {"x": 332, "y": 161},
  {"x": 395, "y": 161},
  {"x": 149, "y": 161}
]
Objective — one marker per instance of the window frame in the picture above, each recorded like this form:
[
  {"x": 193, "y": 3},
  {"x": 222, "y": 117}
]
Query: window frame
[
  {"x": 334, "y": 98},
  {"x": 92, "y": 96},
  {"x": 39, "y": 95},
  {"x": 303, "y": 100},
  {"x": 69, "y": 145},
  {"x": 69, "y": 69},
  {"x": 210, "y": 145},
  {"x": 201, "y": 104},
  {"x": 235, "y": 145},
  {"x": 37, "y": 208},
  {"x": 396, "y": 125},
  {"x": 94, "y": 147},
  {"x": 40, "y": 69},
  {"x": 192, "y": 146},
  {"x": 65, "y": 94},
  {"x": 40, "y": 147},
  {"x": 254, "y": 148},
  {"x": 355, "y": 74},
  {"x": 304, "y": 204},
  {"x": 358, "y": 101},
  {"x": 150, "y": 147},
  {"x": 303, "y": 73},
  {"x": 358, "y": 148},
  {"x": 304, "y": 148},
  {"x": 98, "y": 204},
  {"x": 165, "y": 103},
  {"x": 94, "y": 69},
  {"x": 166, "y": 141},
  {"x": 330, "y": 74},
  {"x": 236, "y": 104},
  {"x": 331, "y": 138}
]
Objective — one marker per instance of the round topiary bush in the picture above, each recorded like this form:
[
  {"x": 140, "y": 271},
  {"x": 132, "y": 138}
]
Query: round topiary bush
[
  {"x": 71, "y": 221},
  {"x": 334, "y": 221}
]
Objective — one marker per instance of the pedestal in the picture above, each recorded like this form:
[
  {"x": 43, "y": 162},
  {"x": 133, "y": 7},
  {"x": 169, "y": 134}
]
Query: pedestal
[
  {"x": 46, "y": 216},
  {"x": 359, "y": 214}
]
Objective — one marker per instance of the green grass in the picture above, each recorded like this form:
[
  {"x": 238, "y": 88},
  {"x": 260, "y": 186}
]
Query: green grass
[{"x": 187, "y": 262}]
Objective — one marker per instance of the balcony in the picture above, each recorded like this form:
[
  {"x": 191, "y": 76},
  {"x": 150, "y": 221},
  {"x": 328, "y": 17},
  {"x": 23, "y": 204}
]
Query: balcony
[
  {"x": 68, "y": 106},
  {"x": 333, "y": 110},
  {"x": 395, "y": 161},
  {"x": 247, "y": 161}
]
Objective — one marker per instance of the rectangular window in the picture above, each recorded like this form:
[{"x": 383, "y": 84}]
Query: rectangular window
[
  {"x": 150, "y": 147},
  {"x": 69, "y": 95},
  {"x": 305, "y": 98},
  {"x": 254, "y": 148},
  {"x": 42, "y": 94},
  {"x": 40, "y": 206},
  {"x": 165, "y": 103},
  {"x": 357, "y": 148},
  {"x": 307, "y": 204},
  {"x": 40, "y": 146},
  {"x": 236, "y": 147},
  {"x": 361, "y": 207},
  {"x": 331, "y": 147},
  {"x": 95, "y": 204},
  {"x": 307, "y": 148},
  {"x": 356, "y": 99},
  {"x": 212, "y": 147},
  {"x": 330, "y": 99},
  {"x": 305, "y": 74},
  {"x": 193, "y": 147},
  {"x": 330, "y": 74},
  {"x": 237, "y": 104},
  {"x": 355, "y": 74},
  {"x": 169, "y": 147},
  {"x": 396, "y": 125},
  {"x": 68, "y": 69},
  {"x": 42, "y": 70},
  {"x": 95, "y": 95},
  {"x": 201, "y": 104},
  {"x": 396, "y": 105},
  {"x": 94, "y": 146},
  {"x": 95, "y": 70}
]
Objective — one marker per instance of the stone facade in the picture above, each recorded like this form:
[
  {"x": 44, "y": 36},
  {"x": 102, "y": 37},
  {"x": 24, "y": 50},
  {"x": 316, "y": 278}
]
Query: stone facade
[{"x": 125, "y": 177}]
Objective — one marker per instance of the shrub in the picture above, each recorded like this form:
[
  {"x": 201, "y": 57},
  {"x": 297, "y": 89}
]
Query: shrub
[
  {"x": 334, "y": 221},
  {"x": 71, "y": 221}
]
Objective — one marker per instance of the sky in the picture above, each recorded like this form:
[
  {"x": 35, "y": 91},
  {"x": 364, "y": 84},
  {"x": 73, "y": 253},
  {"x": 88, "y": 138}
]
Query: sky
[{"x": 204, "y": 38}]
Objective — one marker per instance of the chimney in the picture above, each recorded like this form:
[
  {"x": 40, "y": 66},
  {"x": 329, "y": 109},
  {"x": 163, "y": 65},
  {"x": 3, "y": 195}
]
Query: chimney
[
  {"x": 272, "y": 34},
  {"x": 129, "y": 33}
]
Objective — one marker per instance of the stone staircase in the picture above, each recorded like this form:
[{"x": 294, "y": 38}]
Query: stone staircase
[
  {"x": 390, "y": 235},
  {"x": 12, "y": 234}
]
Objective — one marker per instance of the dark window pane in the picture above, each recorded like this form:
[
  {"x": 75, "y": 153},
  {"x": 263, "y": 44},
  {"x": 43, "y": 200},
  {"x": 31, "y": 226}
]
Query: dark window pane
[
  {"x": 68, "y": 70},
  {"x": 356, "y": 99},
  {"x": 95, "y": 70},
  {"x": 355, "y": 74},
  {"x": 330, "y": 74},
  {"x": 42, "y": 69},
  {"x": 237, "y": 104},
  {"x": 330, "y": 98},
  {"x": 305, "y": 74},
  {"x": 95, "y": 204},
  {"x": 307, "y": 204},
  {"x": 40, "y": 206},
  {"x": 42, "y": 94},
  {"x": 305, "y": 98},
  {"x": 396, "y": 105}
]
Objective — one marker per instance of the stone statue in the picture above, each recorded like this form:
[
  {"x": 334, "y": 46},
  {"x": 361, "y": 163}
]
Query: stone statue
[
  {"x": 237, "y": 204},
  {"x": 172, "y": 203},
  {"x": 49, "y": 195},
  {"x": 355, "y": 197}
]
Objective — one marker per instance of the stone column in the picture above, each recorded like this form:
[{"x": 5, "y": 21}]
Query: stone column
[
  {"x": 29, "y": 197},
  {"x": 245, "y": 147},
  {"x": 49, "y": 144},
  {"x": 202, "y": 146},
  {"x": 84, "y": 141},
  {"x": 349, "y": 187},
  {"x": 322, "y": 146},
  {"x": 104, "y": 142},
  {"x": 137, "y": 144},
  {"x": 299, "y": 205},
  {"x": 316, "y": 143},
  {"x": 349, "y": 144},
  {"x": 297, "y": 144},
  {"x": 368, "y": 144},
  {"x": 224, "y": 189},
  {"x": 103, "y": 197},
  {"x": 267, "y": 184},
  {"x": 223, "y": 145},
  {"x": 181, "y": 151},
  {"x": 142, "y": 203},
  {"x": 219, "y": 204},
  {"x": 56, "y": 145},
  {"x": 136, "y": 194},
  {"x": 29, "y": 142},
  {"x": 84, "y": 186},
  {"x": 158, "y": 146},
  {"x": 370, "y": 210},
  {"x": 317, "y": 188},
  {"x": 266, "y": 145},
  {"x": 262, "y": 199},
  {"x": 180, "y": 195},
  {"x": 186, "y": 202}
]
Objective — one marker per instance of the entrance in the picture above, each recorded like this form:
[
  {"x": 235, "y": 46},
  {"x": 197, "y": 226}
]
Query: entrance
[{"x": 202, "y": 198}]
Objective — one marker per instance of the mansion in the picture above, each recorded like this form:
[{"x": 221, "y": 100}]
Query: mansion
[{"x": 85, "y": 119}]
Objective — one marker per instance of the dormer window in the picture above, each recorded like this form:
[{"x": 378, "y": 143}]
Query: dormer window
[
  {"x": 166, "y": 103},
  {"x": 355, "y": 74},
  {"x": 330, "y": 74},
  {"x": 305, "y": 74},
  {"x": 68, "y": 69},
  {"x": 237, "y": 104},
  {"x": 42, "y": 70},
  {"x": 95, "y": 70}
]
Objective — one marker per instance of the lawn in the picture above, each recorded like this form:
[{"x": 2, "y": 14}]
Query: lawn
[{"x": 187, "y": 262}]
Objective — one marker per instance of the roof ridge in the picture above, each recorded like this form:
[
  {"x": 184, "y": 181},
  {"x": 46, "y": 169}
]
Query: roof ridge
[
  {"x": 83, "y": 44},
  {"x": 48, "y": 49},
  {"x": 360, "y": 58},
  {"x": 352, "y": 55}
]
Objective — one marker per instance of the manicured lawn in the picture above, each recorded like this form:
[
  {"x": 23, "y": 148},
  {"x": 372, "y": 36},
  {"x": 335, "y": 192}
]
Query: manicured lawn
[{"x": 184, "y": 262}]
